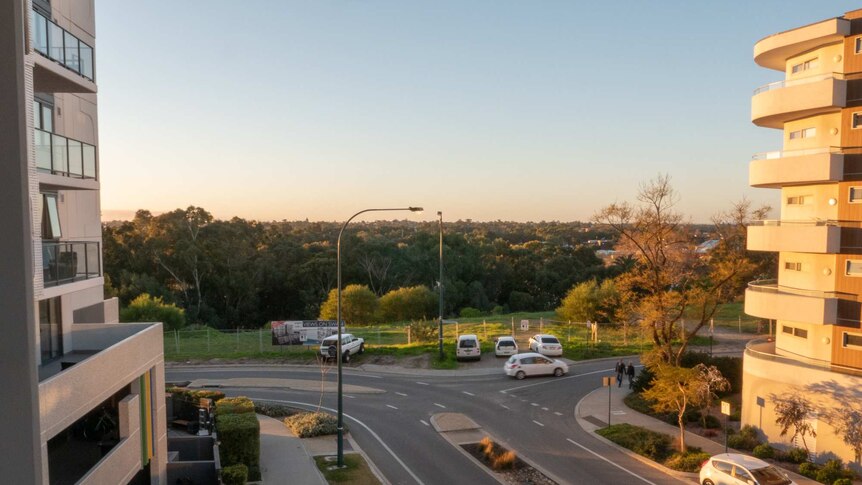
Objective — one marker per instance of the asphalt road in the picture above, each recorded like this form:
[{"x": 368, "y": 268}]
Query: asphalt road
[{"x": 534, "y": 417}]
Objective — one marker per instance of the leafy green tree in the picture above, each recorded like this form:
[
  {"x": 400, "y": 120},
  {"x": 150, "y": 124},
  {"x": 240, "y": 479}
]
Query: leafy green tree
[
  {"x": 358, "y": 305},
  {"x": 145, "y": 308},
  {"x": 520, "y": 301},
  {"x": 590, "y": 301},
  {"x": 674, "y": 389},
  {"x": 413, "y": 303}
]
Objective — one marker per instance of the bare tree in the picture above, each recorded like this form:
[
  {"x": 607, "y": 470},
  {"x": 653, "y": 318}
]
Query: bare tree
[{"x": 711, "y": 383}]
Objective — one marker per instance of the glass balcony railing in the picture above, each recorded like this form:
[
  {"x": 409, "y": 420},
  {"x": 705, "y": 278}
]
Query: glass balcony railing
[
  {"x": 66, "y": 262},
  {"x": 796, "y": 82},
  {"x": 64, "y": 156},
  {"x": 57, "y": 44},
  {"x": 794, "y": 153}
]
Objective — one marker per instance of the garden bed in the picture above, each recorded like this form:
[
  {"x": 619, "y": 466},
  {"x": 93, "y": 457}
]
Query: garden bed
[
  {"x": 657, "y": 447},
  {"x": 505, "y": 464}
]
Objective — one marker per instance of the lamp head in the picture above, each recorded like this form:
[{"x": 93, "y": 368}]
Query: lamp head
[
  {"x": 439, "y": 213},
  {"x": 415, "y": 209}
]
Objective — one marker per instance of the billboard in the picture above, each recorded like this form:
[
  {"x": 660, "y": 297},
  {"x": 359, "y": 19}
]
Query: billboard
[{"x": 303, "y": 332}]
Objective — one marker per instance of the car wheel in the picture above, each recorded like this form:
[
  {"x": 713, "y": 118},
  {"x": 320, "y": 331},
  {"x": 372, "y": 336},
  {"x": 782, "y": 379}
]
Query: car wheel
[
  {"x": 708, "y": 482},
  {"x": 520, "y": 375},
  {"x": 362, "y": 348},
  {"x": 346, "y": 357},
  {"x": 558, "y": 372}
]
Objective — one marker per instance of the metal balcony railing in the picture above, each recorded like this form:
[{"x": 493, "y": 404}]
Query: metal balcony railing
[
  {"x": 796, "y": 82},
  {"x": 794, "y": 153},
  {"x": 57, "y": 44},
  {"x": 772, "y": 286},
  {"x": 65, "y": 262},
  {"x": 64, "y": 156}
]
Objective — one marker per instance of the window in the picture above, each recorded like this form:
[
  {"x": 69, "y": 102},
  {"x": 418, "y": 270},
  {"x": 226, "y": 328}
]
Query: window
[
  {"x": 852, "y": 340},
  {"x": 43, "y": 115},
  {"x": 50, "y": 337},
  {"x": 858, "y": 45},
  {"x": 855, "y": 195},
  {"x": 853, "y": 267},
  {"x": 856, "y": 120},
  {"x": 803, "y": 133},
  {"x": 786, "y": 329},
  {"x": 793, "y": 266},
  {"x": 796, "y": 332},
  {"x": 50, "y": 217},
  {"x": 798, "y": 199},
  {"x": 804, "y": 66},
  {"x": 722, "y": 466}
]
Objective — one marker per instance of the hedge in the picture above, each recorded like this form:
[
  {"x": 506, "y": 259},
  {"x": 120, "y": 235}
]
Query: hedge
[
  {"x": 234, "y": 405},
  {"x": 307, "y": 425},
  {"x": 234, "y": 474},
  {"x": 186, "y": 401},
  {"x": 239, "y": 435}
]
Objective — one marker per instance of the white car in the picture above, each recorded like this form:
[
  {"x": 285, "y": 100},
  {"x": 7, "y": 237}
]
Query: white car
[
  {"x": 736, "y": 469},
  {"x": 350, "y": 345},
  {"x": 505, "y": 346},
  {"x": 520, "y": 366},
  {"x": 546, "y": 344},
  {"x": 468, "y": 348}
]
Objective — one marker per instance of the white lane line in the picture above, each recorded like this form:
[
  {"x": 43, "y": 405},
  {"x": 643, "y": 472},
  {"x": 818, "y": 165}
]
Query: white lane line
[
  {"x": 375, "y": 435},
  {"x": 558, "y": 413},
  {"x": 424, "y": 422},
  {"x": 468, "y": 393},
  {"x": 558, "y": 379},
  {"x": 440, "y": 405},
  {"x": 534, "y": 404},
  {"x": 540, "y": 424},
  {"x": 349, "y": 397},
  {"x": 374, "y": 377},
  {"x": 544, "y": 409},
  {"x": 505, "y": 407},
  {"x": 391, "y": 406},
  {"x": 399, "y": 393},
  {"x": 422, "y": 383},
  {"x": 609, "y": 461}
]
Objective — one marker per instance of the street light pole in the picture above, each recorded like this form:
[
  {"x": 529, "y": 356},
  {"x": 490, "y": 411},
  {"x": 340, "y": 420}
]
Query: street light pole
[
  {"x": 440, "y": 282},
  {"x": 339, "y": 357}
]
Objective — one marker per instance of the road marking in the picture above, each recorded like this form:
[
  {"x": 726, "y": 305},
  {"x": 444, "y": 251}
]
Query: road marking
[
  {"x": 540, "y": 424},
  {"x": 544, "y": 409},
  {"x": 534, "y": 404},
  {"x": 422, "y": 383},
  {"x": 391, "y": 406},
  {"x": 558, "y": 379},
  {"x": 506, "y": 407},
  {"x": 374, "y": 377},
  {"x": 424, "y": 422},
  {"x": 558, "y": 413},
  {"x": 349, "y": 397},
  {"x": 609, "y": 461},
  {"x": 468, "y": 393},
  {"x": 440, "y": 405},
  {"x": 371, "y": 431},
  {"x": 401, "y": 394}
]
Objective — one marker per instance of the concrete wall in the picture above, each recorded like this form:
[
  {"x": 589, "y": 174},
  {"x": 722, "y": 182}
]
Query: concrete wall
[
  {"x": 817, "y": 273},
  {"x": 816, "y": 206},
  {"x": 830, "y": 59},
  {"x": 828, "y": 134},
  {"x": 815, "y": 347}
]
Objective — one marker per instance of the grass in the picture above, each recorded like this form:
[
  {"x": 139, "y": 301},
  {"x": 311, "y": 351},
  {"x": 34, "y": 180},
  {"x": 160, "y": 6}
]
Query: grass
[{"x": 355, "y": 471}]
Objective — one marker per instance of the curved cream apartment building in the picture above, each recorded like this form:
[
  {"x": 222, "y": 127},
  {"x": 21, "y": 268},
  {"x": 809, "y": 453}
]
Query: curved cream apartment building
[
  {"x": 94, "y": 387},
  {"x": 815, "y": 300}
]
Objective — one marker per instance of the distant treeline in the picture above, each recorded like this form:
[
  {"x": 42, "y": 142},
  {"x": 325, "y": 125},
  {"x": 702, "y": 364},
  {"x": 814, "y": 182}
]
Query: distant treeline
[{"x": 239, "y": 273}]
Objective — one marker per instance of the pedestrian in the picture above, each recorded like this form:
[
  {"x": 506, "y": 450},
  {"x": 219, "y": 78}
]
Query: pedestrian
[
  {"x": 630, "y": 371},
  {"x": 621, "y": 369}
]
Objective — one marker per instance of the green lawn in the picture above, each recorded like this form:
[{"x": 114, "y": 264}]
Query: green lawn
[{"x": 355, "y": 471}]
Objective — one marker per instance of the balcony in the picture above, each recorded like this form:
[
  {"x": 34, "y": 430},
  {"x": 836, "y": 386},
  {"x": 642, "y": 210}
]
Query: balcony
[
  {"x": 821, "y": 237},
  {"x": 773, "y": 51},
  {"x": 66, "y": 62},
  {"x": 780, "y": 168},
  {"x": 105, "y": 358},
  {"x": 66, "y": 262},
  {"x": 766, "y": 299},
  {"x": 777, "y": 103},
  {"x": 64, "y": 162}
]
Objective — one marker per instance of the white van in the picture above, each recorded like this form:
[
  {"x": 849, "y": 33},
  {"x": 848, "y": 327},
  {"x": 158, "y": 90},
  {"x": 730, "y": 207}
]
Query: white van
[{"x": 468, "y": 348}]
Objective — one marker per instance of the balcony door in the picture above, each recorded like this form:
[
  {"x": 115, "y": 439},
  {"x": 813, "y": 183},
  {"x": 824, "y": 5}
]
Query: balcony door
[{"x": 50, "y": 329}]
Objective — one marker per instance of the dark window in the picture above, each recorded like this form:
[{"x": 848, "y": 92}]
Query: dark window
[
  {"x": 851, "y": 339},
  {"x": 507, "y": 343},
  {"x": 857, "y": 119},
  {"x": 722, "y": 466},
  {"x": 528, "y": 360},
  {"x": 467, "y": 343},
  {"x": 550, "y": 340},
  {"x": 786, "y": 329},
  {"x": 770, "y": 476},
  {"x": 50, "y": 217},
  {"x": 858, "y": 45},
  {"x": 50, "y": 336},
  {"x": 800, "y": 332}
]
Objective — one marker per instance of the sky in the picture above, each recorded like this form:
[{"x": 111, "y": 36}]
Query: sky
[{"x": 485, "y": 110}]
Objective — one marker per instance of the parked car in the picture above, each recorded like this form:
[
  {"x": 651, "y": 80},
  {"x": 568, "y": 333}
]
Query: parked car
[
  {"x": 468, "y": 348},
  {"x": 520, "y": 366},
  {"x": 546, "y": 344},
  {"x": 505, "y": 346},
  {"x": 350, "y": 345},
  {"x": 737, "y": 469}
]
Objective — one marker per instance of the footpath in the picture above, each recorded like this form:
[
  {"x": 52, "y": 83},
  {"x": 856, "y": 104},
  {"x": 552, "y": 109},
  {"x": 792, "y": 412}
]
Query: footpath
[{"x": 592, "y": 414}]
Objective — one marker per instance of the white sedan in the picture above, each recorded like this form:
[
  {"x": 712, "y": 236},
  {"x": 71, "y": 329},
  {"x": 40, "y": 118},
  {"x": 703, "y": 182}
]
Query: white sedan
[
  {"x": 546, "y": 344},
  {"x": 520, "y": 366},
  {"x": 505, "y": 346}
]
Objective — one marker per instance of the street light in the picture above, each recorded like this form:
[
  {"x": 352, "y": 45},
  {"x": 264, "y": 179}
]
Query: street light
[
  {"x": 440, "y": 282},
  {"x": 339, "y": 357}
]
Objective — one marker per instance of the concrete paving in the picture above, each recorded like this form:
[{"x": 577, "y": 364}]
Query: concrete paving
[{"x": 283, "y": 456}]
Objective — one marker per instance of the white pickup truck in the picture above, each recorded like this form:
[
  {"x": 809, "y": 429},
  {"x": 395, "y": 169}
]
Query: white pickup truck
[{"x": 350, "y": 345}]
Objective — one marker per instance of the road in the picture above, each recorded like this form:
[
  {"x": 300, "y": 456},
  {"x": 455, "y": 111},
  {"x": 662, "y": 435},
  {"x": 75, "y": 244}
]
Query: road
[{"x": 534, "y": 417}]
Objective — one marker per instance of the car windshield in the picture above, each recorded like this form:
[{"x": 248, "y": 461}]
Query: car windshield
[
  {"x": 770, "y": 476},
  {"x": 550, "y": 340},
  {"x": 513, "y": 359},
  {"x": 330, "y": 341},
  {"x": 507, "y": 343}
]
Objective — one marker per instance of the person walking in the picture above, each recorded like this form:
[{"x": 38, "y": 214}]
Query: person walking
[
  {"x": 621, "y": 369},
  {"x": 630, "y": 372}
]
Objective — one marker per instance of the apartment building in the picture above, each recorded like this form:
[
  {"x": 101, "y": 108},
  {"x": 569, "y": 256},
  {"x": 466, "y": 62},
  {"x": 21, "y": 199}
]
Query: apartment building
[
  {"x": 815, "y": 299},
  {"x": 98, "y": 385}
]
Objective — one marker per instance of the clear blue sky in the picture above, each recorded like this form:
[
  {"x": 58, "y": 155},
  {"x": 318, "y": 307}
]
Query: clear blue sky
[{"x": 485, "y": 110}]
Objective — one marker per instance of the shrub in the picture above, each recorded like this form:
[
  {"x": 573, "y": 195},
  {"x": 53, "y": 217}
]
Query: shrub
[
  {"x": 746, "y": 439},
  {"x": 234, "y": 405},
  {"x": 797, "y": 455},
  {"x": 487, "y": 446},
  {"x": 808, "y": 469},
  {"x": 831, "y": 471},
  {"x": 656, "y": 446},
  {"x": 688, "y": 462},
  {"x": 186, "y": 401},
  {"x": 470, "y": 312},
  {"x": 234, "y": 474},
  {"x": 274, "y": 410},
  {"x": 764, "y": 451},
  {"x": 843, "y": 481},
  {"x": 145, "y": 308},
  {"x": 424, "y": 331},
  {"x": 240, "y": 441},
  {"x": 307, "y": 425},
  {"x": 643, "y": 380},
  {"x": 503, "y": 461},
  {"x": 498, "y": 310},
  {"x": 711, "y": 422}
]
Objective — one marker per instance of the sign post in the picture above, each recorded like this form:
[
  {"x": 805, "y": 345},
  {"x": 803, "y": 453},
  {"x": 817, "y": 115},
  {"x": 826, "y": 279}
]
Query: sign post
[
  {"x": 725, "y": 410},
  {"x": 608, "y": 381}
]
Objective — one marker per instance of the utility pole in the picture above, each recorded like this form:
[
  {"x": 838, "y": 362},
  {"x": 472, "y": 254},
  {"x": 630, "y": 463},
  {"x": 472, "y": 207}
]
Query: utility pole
[{"x": 440, "y": 282}]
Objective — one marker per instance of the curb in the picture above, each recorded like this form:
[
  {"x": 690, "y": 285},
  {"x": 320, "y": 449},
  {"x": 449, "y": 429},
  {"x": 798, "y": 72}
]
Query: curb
[{"x": 461, "y": 450}]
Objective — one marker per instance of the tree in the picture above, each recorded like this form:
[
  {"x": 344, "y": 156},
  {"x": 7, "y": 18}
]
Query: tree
[
  {"x": 358, "y": 305},
  {"x": 670, "y": 281},
  {"x": 145, "y": 308},
  {"x": 416, "y": 302},
  {"x": 792, "y": 411},
  {"x": 673, "y": 390},
  {"x": 711, "y": 383},
  {"x": 589, "y": 301}
]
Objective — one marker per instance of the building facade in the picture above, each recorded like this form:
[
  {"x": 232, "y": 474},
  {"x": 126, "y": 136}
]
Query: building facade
[
  {"x": 815, "y": 299},
  {"x": 100, "y": 384}
]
